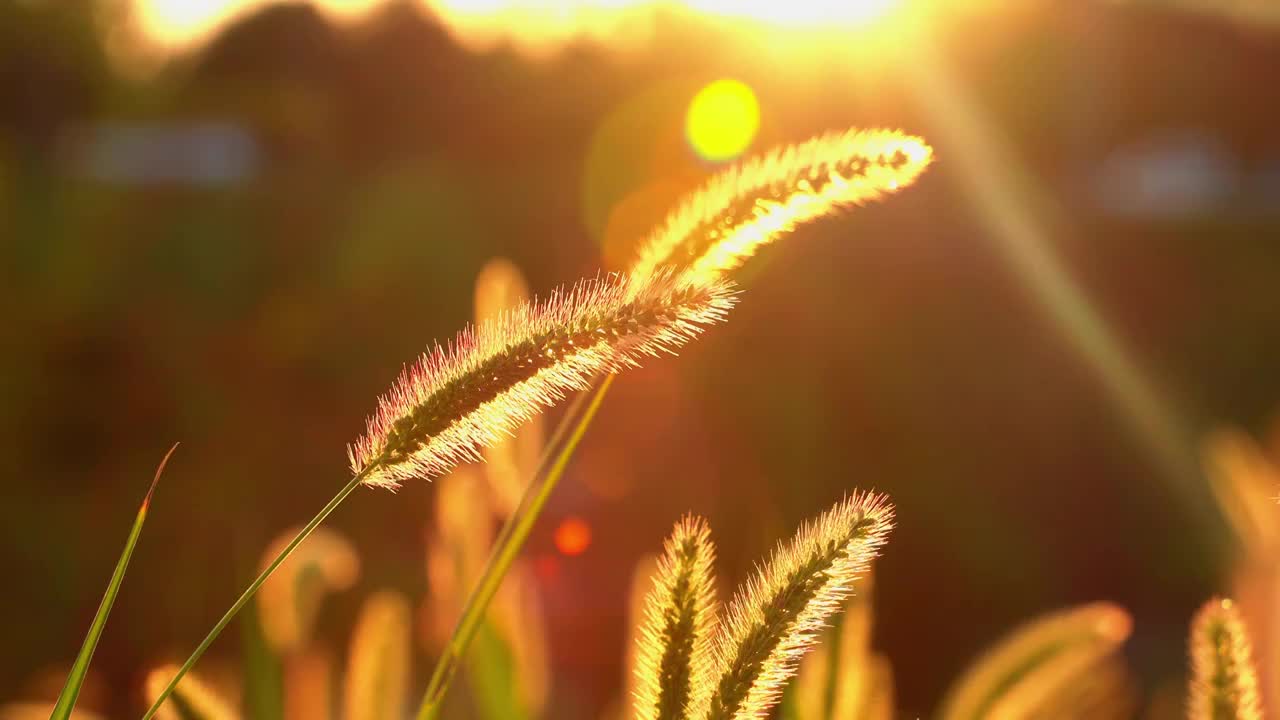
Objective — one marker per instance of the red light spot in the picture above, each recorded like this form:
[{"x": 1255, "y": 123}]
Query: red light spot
[
  {"x": 547, "y": 568},
  {"x": 573, "y": 536}
]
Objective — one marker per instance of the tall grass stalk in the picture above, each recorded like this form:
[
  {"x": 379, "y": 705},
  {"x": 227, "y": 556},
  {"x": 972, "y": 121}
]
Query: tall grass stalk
[
  {"x": 508, "y": 544},
  {"x": 250, "y": 591}
]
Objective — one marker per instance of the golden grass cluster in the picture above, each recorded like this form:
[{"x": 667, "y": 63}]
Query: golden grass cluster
[
  {"x": 695, "y": 664},
  {"x": 522, "y": 357},
  {"x": 464, "y": 401},
  {"x": 778, "y": 614}
]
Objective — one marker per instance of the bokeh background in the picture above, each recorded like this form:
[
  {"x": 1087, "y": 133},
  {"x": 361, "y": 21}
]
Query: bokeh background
[{"x": 230, "y": 223}]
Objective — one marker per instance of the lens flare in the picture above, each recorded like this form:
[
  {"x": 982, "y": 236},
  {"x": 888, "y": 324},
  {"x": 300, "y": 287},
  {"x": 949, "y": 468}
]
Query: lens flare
[
  {"x": 573, "y": 536},
  {"x": 722, "y": 120}
]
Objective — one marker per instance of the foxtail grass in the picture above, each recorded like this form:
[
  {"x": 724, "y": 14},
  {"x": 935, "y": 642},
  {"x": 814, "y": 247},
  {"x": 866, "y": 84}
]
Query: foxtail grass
[
  {"x": 456, "y": 400},
  {"x": 66, "y": 701},
  {"x": 679, "y": 617},
  {"x": 1224, "y": 682},
  {"x": 719, "y": 227},
  {"x": 1037, "y": 661},
  {"x": 193, "y": 699},
  {"x": 777, "y": 616},
  {"x": 289, "y": 601},
  {"x": 377, "y": 678}
]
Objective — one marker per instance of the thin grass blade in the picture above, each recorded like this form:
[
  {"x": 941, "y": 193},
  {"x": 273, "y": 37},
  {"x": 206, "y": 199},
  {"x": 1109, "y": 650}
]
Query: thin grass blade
[{"x": 75, "y": 679}]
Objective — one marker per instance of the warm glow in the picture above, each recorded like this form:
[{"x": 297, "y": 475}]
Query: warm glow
[
  {"x": 536, "y": 26},
  {"x": 797, "y": 13},
  {"x": 722, "y": 120},
  {"x": 177, "y": 24},
  {"x": 573, "y": 536}
]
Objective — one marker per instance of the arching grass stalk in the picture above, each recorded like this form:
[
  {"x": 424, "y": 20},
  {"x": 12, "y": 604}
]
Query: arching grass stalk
[
  {"x": 508, "y": 544},
  {"x": 250, "y": 591}
]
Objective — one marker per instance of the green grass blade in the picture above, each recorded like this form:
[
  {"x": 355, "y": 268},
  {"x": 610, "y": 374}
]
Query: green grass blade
[
  {"x": 507, "y": 547},
  {"x": 75, "y": 679}
]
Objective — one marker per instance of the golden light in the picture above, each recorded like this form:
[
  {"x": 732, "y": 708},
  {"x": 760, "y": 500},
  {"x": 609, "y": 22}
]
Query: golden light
[
  {"x": 802, "y": 13},
  {"x": 573, "y": 536},
  {"x": 180, "y": 24},
  {"x": 722, "y": 120},
  {"x": 534, "y": 26}
]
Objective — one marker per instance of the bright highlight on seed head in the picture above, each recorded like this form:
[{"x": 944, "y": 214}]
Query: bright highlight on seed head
[
  {"x": 722, "y": 120},
  {"x": 757, "y": 201}
]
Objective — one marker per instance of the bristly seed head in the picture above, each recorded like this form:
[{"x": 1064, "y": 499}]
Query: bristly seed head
[
  {"x": 674, "y": 647},
  {"x": 458, "y": 399},
  {"x": 750, "y": 205},
  {"x": 1224, "y": 682},
  {"x": 776, "y": 617}
]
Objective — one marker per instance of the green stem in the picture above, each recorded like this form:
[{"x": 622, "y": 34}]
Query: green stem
[
  {"x": 507, "y": 546},
  {"x": 257, "y": 583}
]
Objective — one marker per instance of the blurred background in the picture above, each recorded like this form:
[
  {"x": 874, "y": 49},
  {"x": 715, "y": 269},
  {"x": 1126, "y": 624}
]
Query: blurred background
[{"x": 229, "y": 223}]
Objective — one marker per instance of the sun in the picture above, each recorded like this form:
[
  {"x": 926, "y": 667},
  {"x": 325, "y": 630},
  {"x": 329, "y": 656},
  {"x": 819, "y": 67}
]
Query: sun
[{"x": 722, "y": 120}]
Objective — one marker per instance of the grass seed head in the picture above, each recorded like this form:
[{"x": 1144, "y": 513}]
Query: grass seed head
[
  {"x": 456, "y": 400},
  {"x": 1224, "y": 682},
  {"x": 779, "y": 613},
  {"x": 675, "y": 639},
  {"x": 719, "y": 227}
]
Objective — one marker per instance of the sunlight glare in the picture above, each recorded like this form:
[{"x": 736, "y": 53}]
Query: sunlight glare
[
  {"x": 535, "y": 26},
  {"x": 722, "y": 120},
  {"x": 798, "y": 13}
]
